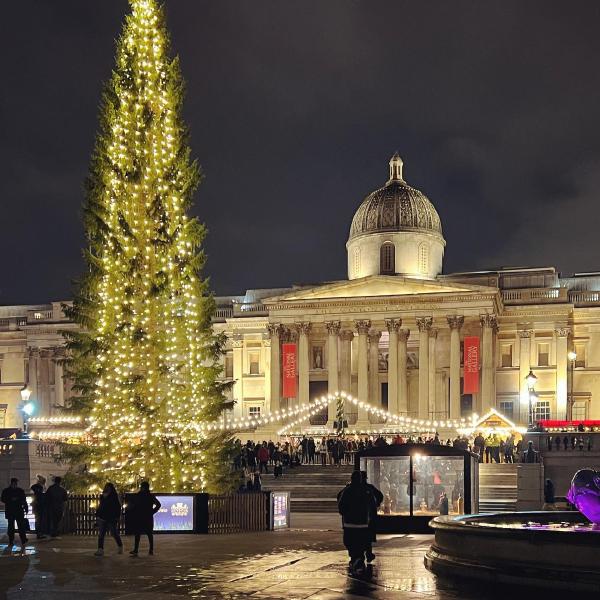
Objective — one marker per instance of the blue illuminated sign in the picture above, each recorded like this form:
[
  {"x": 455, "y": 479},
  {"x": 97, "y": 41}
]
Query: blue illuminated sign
[{"x": 175, "y": 514}]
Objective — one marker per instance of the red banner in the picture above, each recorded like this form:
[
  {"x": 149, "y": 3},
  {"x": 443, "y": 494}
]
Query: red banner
[
  {"x": 288, "y": 370},
  {"x": 471, "y": 365}
]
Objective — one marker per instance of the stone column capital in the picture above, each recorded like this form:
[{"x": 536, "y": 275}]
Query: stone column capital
[
  {"x": 455, "y": 321},
  {"x": 403, "y": 334},
  {"x": 237, "y": 340},
  {"x": 362, "y": 326},
  {"x": 525, "y": 333},
  {"x": 346, "y": 335},
  {"x": 303, "y": 328},
  {"x": 563, "y": 331},
  {"x": 374, "y": 336},
  {"x": 393, "y": 324},
  {"x": 424, "y": 323},
  {"x": 488, "y": 320},
  {"x": 333, "y": 327},
  {"x": 274, "y": 329}
]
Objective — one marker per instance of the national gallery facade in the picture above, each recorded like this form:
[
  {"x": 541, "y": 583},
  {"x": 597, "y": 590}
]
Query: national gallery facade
[{"x": 392, "y": 333}]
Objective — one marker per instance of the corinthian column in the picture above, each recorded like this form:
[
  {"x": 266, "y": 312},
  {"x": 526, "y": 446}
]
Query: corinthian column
[
  {"x": 488, "y": 399},
  {"x": 562, "y": 334},
  {"x": 455, "y": 323},
  {"x": 524, "y": 367},
  {"x": 59, "y": 384},
  {"x": 275, "y": 365},
  {"x": 424, "y": 325},
  {"x": 303, "y": 365},
  {"x": 333, "y": 384},
  {"x": 362, "y": 327},
  {"x": 432, "y": 370},
  {"x": 392, "y": 326},
  {"x": 374, "y": 337},
  {"x": 403, "y": 335},
  {"x": 346, "y": 338}
]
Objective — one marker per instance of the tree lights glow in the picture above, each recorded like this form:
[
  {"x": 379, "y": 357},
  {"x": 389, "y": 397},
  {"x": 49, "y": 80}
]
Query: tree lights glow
[{"x": 147, "y": 364}]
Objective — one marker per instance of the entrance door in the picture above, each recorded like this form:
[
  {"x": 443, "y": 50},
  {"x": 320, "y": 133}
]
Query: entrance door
[{"x": 316, "y": 389}]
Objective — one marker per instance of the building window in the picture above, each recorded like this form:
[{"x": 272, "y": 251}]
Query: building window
[
  {"x": 507, "y": 355},
  {"x": 423, "y": 258},
  {"x": 254, "y": 362},
  {"x": 37, "y": 316},
  {"x": 541, "y": 410},
  {"x": 579, "y": 410},
  {"x": 507, "y": 409},
  {"x": 229, "y": 365},
  {"x": 317, "y": 357},
  {"x": 356, "y": 262},
  {"x": 543, "y": 354},
  {"x": 580, "y": 360},
  {"x": 254, "y": 412},
  {"x": 387, "y": 259}
]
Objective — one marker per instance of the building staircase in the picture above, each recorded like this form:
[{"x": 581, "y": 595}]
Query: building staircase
[
  {"x": 510, "y": 487},
  {"x": 313, "y": 488}
]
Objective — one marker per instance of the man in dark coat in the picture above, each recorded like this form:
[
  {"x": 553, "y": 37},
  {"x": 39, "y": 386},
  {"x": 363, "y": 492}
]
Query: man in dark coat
[
  {"x": 378, "y": 499},
  {"x": 142, "y": 508},
  {"x": 55, "y": 499},
  {"x": 355, "y": 504},
  {"x": 38, "y": 506},
  {"x": 15, "y": 509}
]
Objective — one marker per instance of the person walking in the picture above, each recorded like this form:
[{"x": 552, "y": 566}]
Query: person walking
[
  {"x": 108, "y": 515},
  {"x": 355, "y": 504},
  {"x": 38, "y": 506},
  {"x": 15, "y": 509},
  {"x": 54, "y": 500},
  {"x": 142, "y": 508},
  {"x": 263, "y": 458},
  {"x": 377, "y": 498}
]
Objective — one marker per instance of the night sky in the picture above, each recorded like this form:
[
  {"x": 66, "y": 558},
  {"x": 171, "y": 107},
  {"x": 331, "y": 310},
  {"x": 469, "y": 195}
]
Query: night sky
[{"x": 295, "y": 108}]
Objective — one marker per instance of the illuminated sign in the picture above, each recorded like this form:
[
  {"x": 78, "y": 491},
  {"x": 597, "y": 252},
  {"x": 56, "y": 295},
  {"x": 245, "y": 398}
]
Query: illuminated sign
[
  {"x": 280, "y": 510},
  {"x": 175, "y": 514}
]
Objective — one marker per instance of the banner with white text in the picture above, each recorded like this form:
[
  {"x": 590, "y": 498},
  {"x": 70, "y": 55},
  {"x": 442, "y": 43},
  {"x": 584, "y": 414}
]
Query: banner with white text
[
  {"x": 471, "y": 365},
  {"x": 288, "y": 370}
]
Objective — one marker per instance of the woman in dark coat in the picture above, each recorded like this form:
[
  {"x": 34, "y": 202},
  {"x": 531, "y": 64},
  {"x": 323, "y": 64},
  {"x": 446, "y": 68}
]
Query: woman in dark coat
[
  {"x": 108, "y": 514},
  {"x": 142, "y": 508}
]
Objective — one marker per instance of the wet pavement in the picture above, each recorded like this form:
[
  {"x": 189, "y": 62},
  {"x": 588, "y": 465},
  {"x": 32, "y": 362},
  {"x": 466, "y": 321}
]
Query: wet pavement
[{"x": 307, "y": 561}]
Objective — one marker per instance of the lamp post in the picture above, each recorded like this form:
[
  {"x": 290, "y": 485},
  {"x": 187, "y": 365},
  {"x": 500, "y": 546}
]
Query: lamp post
[
  {"x": 27, "y": 407},
  {"x": 572, "y": 356},
  {"x": 531, "y": 380}
]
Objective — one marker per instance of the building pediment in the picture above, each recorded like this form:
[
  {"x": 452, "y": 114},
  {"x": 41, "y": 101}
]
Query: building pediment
[{"x": 377, "y": 286}]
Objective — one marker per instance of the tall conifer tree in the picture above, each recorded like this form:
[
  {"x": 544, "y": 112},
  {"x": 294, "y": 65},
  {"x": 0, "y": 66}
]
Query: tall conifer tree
[{"x": 146, "y": 365}]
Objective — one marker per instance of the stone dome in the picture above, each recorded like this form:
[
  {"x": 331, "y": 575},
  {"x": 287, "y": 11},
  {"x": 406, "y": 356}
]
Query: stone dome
[{"x": 395, "y": 207}]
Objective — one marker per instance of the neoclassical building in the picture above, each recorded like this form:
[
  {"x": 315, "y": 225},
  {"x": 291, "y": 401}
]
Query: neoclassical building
[{"x": 391, "y": 333}]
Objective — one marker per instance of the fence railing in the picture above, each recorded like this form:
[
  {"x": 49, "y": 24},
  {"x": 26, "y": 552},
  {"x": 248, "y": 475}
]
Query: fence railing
[
  {"x": 231, "y": 513},
  {"x": 235, "y": 513}
]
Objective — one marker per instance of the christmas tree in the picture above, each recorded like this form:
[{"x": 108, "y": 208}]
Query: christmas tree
[{"x": 146, "y": 363}]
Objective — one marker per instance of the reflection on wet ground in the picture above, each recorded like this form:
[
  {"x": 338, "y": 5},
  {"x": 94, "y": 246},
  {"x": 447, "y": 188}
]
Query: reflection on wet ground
[{"x": 300, "y": 563}]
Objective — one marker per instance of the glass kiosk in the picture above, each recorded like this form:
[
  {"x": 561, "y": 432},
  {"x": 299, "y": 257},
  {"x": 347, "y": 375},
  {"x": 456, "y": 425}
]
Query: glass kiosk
[{"x": 412, "y": 479}]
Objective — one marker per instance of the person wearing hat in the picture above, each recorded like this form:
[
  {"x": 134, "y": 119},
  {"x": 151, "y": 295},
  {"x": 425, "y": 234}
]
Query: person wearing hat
[{"x": 37, "y": 505}]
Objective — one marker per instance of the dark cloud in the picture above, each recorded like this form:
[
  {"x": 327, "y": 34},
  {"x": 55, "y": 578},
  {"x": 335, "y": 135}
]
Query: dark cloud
[{"x": 294, "y": 108}]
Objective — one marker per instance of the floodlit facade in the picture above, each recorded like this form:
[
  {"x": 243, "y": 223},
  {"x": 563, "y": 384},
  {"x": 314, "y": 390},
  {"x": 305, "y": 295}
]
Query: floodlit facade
[{"x": 391, "y": 333}]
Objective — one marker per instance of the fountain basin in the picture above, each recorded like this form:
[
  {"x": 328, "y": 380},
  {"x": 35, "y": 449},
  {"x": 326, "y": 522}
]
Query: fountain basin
[{"x": 542, "y": 549}]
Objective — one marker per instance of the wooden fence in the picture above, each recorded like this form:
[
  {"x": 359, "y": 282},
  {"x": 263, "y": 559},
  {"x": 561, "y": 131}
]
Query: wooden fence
[
  {"x": 238, "y": 512},
  {"x": 232, "y": 513}
]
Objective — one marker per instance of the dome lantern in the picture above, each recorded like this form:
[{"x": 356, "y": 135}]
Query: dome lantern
[{"x": 396, "y": 165}]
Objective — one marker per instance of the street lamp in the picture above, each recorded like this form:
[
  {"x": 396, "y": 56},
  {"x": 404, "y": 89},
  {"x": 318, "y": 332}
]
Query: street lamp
[
  {"x": 27, "y": 407},
  {"x": 531, "y": 380},
  {"x": 572, "y": 356}
]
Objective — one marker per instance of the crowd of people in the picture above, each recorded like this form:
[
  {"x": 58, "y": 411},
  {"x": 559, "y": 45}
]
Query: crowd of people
[{"x": 48, "y": 507}]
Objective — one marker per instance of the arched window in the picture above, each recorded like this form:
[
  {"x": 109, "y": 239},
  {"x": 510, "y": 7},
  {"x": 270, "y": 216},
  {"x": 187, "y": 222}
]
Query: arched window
[
  {"x": 387, "y": 259},
  {"x": 423, "y": 258}
]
